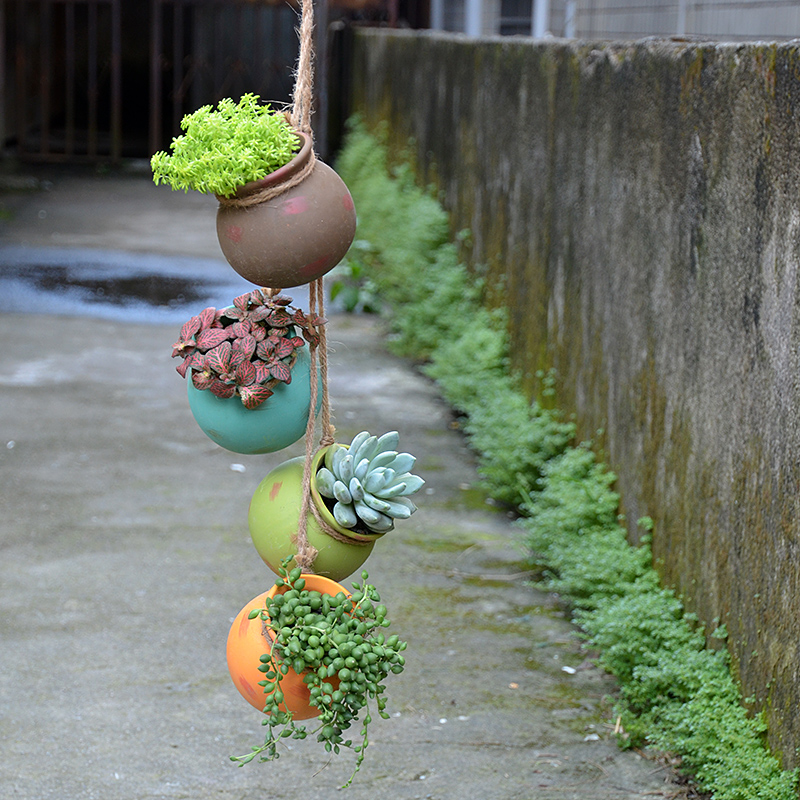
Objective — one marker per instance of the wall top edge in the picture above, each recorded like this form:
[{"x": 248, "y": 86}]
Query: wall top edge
[{"x": 661, "y": 43}]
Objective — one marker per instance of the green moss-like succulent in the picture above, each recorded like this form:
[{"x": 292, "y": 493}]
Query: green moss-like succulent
[
  {"x": 370, "y": 482},
  {"x": 225, "y": 148}
]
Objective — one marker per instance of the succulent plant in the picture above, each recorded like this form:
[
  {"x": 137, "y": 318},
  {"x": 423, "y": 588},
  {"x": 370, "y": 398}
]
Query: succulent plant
[
  {"x": 369, "y": 481},
  {"x": 226, "y": 147},
  {"x": 246, "y": 349},
  {"x": 338, "y": 644}
]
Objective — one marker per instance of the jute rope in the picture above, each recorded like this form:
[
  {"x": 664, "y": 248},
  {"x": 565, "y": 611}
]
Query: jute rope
[
  {"x": 300, "y": 117},
  {"x": 270, "y": 192},
  {"x": 304, "y": 75},
  {"x": 306, "y": 552}
]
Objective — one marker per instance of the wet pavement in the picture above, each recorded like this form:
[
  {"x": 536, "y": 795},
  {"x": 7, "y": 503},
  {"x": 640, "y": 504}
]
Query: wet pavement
[
  {"x": 112, "y": 284},
  {"x": 125, "y": 554}
]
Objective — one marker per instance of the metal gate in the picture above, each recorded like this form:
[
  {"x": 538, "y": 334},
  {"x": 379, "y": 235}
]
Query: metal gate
[
  {"x": 63, "y": 63},
  {"x": 204, "y": 50},
  {"x": 63, "y": 100}
]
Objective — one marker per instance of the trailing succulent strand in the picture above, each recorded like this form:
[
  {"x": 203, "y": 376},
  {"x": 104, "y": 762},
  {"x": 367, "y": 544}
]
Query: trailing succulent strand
[
  {"x": 370, "y": 482},
  {"x": 337, "y": 643}
]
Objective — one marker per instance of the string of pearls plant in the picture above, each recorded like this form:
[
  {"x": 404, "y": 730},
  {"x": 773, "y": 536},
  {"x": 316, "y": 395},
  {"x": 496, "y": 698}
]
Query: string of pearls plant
[{"x": 339, "y": 646}]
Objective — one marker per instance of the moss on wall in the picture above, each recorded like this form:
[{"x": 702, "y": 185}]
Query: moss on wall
[{"x": 635, "y": 207}]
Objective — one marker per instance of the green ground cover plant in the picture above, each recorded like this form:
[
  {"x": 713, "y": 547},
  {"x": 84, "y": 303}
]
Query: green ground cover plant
[{"x": 676, "y": 694}]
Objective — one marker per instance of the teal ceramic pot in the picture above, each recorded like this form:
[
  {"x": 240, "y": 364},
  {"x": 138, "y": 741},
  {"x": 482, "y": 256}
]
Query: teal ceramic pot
[
  {"x": 277, "y": 423},
  {"x": 274, "y": 516}
]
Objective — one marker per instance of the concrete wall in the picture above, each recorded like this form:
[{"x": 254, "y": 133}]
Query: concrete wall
[{"x": 637, "y": 208}]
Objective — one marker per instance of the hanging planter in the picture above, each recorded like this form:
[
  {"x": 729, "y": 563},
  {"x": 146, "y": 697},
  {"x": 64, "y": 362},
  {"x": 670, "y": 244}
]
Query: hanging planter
[
  {"x": 249, "y": 387},
  {"x": 356, "y": 494},
  {"x": 285, "y": 218},
  {"x": 290, "y": 227},
  {"x": 250, "y": 639},
  {"x": 308, "y": 648}
]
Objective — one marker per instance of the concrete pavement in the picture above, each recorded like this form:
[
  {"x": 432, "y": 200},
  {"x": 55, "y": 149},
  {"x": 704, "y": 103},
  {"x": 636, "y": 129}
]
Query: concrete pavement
[{"x": 124, "y": 555}]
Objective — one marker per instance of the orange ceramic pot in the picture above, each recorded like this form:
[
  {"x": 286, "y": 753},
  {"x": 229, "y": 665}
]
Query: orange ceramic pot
[
  {"x": 296, "y": 237},
  {"x": 248, "y": 640}
]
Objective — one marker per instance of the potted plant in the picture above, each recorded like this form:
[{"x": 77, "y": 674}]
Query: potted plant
[
  {"x": 358, "y": 491},
  {"x": 249, "y": 371},
  {"x": 285, "y": 218},
  {"x": 310, "y": 649}
]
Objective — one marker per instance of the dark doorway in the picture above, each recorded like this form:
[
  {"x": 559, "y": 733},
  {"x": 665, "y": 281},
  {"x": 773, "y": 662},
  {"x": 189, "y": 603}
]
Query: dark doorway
[
  {"x": 204, "y": 50},
  {"x": 61, "y": 71}
]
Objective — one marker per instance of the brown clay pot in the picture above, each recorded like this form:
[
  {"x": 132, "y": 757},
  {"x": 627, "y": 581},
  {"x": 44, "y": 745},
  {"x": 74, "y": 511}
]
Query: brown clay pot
[{"x": 297, "y": 236}]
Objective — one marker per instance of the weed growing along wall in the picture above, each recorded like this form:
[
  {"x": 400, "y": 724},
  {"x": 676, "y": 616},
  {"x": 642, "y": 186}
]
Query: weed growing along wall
[{"x": 636, "y": 207}]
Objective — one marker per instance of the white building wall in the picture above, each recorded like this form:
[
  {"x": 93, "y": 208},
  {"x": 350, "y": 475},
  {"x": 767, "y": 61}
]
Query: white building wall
[
  {"x": 735, "y": 20},
  {"x": 727, "y": 20},
  {"x": 491, "y": 17}
]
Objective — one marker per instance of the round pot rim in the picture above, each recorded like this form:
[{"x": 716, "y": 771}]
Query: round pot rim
[
  {"x": 282, "y": 173},
  {"x": 358, "y": 535}
]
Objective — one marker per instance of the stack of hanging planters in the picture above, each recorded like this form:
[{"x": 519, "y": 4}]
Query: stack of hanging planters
[{"x": 307, "y": 648}]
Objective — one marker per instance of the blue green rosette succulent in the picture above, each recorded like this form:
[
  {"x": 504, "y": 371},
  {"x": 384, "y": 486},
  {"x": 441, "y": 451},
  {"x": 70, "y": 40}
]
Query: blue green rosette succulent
[{"x": 370, "y": 482}]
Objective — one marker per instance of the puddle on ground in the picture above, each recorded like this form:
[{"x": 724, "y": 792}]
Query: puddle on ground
[
  {"x": 155, "y": 290},
  {"x": 134, "y": 287}
]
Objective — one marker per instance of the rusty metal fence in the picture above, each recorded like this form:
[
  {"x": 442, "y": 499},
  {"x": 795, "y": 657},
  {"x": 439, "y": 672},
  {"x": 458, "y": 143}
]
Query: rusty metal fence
[
  {"x": 63, "y": 96},
  {"x": 63, "y": 64},
  {"x": 204, "y": 50}
]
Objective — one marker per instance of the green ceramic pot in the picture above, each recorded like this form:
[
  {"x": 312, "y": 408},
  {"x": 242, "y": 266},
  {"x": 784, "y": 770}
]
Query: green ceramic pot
[
  {"x": 278, "y": 422},
  {"x": 275, "y": 514}
]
